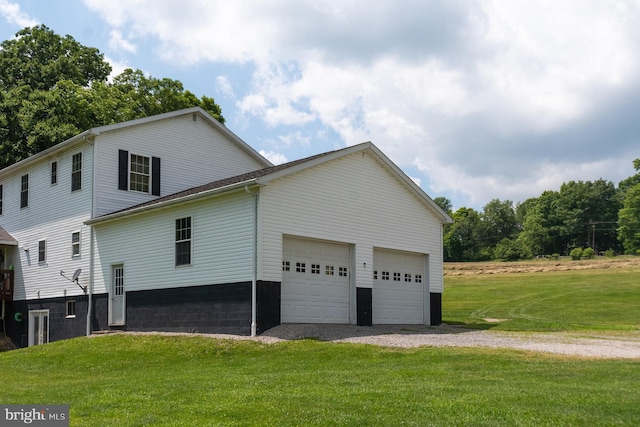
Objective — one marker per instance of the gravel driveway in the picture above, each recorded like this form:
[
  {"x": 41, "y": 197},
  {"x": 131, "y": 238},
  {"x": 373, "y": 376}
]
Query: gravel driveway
[{"x": 625, "y": 346}]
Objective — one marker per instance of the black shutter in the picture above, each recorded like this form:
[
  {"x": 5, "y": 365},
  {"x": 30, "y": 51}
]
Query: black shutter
[
  {"x": 155, "y": 176},
  {"x": 123, "y": 169}
]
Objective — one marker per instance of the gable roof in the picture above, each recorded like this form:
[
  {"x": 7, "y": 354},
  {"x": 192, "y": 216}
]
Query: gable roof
[
  {"x": 264, "y": 176},
  {"x": 6, "y": 238},
  {"x": 93, "y": 132}
]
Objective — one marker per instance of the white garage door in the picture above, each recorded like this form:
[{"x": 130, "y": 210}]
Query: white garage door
[
  {"x": 398, "y": 287},
  {"x": 315, "y": 282}
]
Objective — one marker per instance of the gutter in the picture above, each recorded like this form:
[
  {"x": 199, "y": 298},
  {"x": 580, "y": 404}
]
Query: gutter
[{"x": 170, "y": 202}]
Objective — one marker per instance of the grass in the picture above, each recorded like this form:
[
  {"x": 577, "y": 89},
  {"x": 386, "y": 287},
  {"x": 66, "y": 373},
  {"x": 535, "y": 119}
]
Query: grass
[
  {"x": 588, "y": 300},
  {"x": 123, "y": 380}
]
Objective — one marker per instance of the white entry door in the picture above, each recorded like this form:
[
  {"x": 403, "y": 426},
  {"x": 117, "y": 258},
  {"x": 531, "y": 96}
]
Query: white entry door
[
  {"x": 38, "y": 327},
  {"x": 117, "y": 301}
]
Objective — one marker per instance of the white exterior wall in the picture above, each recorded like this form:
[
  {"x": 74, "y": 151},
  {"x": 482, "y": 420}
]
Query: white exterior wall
[
  {"x": 222, "y": 245},
  {"x": 191, "y": 152},
  {"x": 53, "y": 214},
  {"x": 352, "y": 200}
]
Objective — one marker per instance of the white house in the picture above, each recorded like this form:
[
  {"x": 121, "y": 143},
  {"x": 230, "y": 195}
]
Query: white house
[{"x": 173, "y": 223}]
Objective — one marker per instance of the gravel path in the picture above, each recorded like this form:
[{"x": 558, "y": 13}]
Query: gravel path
[{"x": 625, "y": 346}]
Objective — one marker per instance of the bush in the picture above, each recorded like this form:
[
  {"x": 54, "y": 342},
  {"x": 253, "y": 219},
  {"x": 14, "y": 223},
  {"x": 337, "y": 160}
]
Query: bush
[
  {"x": 555, "y": 256},
  {"x": 589, "y": 253},
  {"x": 576, "y": 254},
  {"x": 609, "y": 253}
]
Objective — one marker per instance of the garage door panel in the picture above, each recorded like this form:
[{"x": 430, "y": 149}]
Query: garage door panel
[
  {"x": 398, "y": 291},
  {"x": 315, "y": 282}
]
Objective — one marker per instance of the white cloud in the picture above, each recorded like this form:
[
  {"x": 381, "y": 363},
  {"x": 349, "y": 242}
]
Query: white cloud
[
  {"x": 13, "y": 15},
  {"x": 488, "y": 99},
  {"x": 118, "y": 43},
  {"x": 223, "y": 85},
  {"x": 273, "y": 157}
]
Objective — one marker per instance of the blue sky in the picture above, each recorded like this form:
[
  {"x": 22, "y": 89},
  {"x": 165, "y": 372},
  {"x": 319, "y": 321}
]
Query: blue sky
[{"x": 473, "y": 100}]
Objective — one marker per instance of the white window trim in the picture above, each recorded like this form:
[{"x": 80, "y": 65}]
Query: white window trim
[
  {"x": 175, "y": 242},
  {"x": 42, "y": 261},
  {"x": 73, "y": 255},
  {"x": 57, "y": 172},
  {"x": 66, "y": 309},
  {"x": 130, "y": 171}
]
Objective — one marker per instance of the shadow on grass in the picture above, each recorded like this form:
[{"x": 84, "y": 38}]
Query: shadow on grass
[{"x": 330, "y": 332}]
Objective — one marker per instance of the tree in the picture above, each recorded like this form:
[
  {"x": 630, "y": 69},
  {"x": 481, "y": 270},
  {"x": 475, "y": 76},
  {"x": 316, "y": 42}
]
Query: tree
[
  {"x": 462, "y": 239},
  {"x": 444, "y": 203},
  {"x": 512, "y": 250},
  {"x": 498, "y": 221},
  {"x": 52, "y": 88},
  {"x": 629, "y": 218}
]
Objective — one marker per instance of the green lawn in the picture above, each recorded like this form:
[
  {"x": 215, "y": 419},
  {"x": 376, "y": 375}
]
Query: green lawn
[
  {"x": 126, "y": 380},
  {"x": 589, "y": 300},
  {"x": 157, "y": 380}
]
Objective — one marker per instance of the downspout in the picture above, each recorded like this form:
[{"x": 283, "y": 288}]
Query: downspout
[
  {"x": 254, "y": 302},
  {"x": 91, "y": 237}
]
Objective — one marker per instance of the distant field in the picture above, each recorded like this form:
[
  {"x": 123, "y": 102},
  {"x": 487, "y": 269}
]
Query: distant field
[{"x": 545, "y": 295}]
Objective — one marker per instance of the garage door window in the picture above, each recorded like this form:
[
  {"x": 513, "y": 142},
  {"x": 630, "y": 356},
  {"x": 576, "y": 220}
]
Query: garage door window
[
  {"x": 286, "y": 266},
  {"x": 328, "y": 270},
  {"x": 342, "y": 271},
  {"x": 418, "y": 278},
  {"x": 301, "y": 267},
  {"x": 396, "y": 277},
  {"x": 315, "y": 268},
  {"x": 407, "y": 277}
]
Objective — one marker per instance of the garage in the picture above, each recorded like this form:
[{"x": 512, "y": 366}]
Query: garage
[
  {"x": 398, "y": 287},
  {"x": 315, "y": 281}
]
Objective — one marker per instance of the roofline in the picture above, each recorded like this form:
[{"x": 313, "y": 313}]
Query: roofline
[
  {"x": 93, "y": 132},
  {"x": 446, "y": 219},
  {"x": 167, "y": 203}
]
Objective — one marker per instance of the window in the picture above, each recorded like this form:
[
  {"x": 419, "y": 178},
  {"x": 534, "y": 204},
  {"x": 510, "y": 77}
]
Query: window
[
  {"x": 1, "y": 197},
  {"x": 301, "y": 267},
  {"x": 328, "y": 270},
  {"x": 385, "y": 275},
  {"x": 42, "y": 251},
  {"x": 407, "y": 277},
  {"x": 286, "y": 266},
  {"x": 396, "y": 277},
  {"x": 54, "y": 173},
  {"x": 418, "y": 278},
  {"x": 375, "y": 274},
  {"x": 71, "y": 309},
  {"x": 24, "y": 191},
  {"x": 183, "y": 241},
  {"x": 75, "y": 243},
  {"x": 342, "y": 271},
  {"x": 139, "y": 174},
  {"x": 76, "y": 172},
  {"x": 315, "y": 268}
]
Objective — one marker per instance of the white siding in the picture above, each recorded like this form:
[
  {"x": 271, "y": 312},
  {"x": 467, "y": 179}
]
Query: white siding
[
  {"x": 222, "y": 243},
  {"x": 53, "y": 214},
  {"x": 353, "y": 200},
  {"x": 192, "y": 153}
]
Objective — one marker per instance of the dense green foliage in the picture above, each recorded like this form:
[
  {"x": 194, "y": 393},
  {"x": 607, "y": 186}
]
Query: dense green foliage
[
  {"x": 123, "y": 380},
  {"x": 593, "y": 215},
  {"x": 52, "y": 88}
]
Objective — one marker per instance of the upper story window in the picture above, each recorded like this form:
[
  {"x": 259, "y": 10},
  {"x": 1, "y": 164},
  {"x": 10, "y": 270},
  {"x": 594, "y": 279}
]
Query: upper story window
[
  {"x": 138, "y": 173},
  {"x": 183, "y": 241},
  {"x": 1, "y": 197},
  {"x": 54, "y": 173},
  {"x": 24, "y": 191},
  {"x": 76, "y": 172}
]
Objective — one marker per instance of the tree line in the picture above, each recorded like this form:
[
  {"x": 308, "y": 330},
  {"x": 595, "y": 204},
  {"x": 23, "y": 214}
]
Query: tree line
[
  {"x": 52, "y": 88},
  {"x": 582, "y": 218}
]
